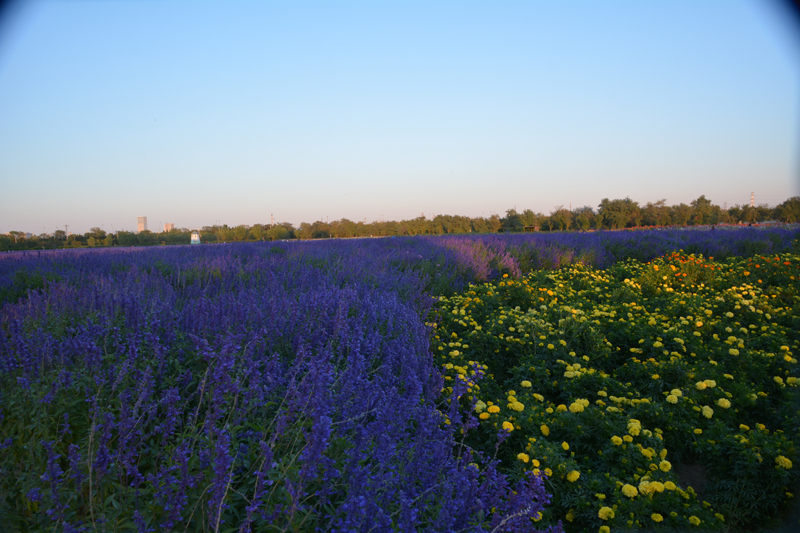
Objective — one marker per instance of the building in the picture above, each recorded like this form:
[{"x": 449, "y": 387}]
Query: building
[
  {"x": 195, "y": 237},
  {"x": 169, "y": 226},
  {"x": 142, "y": 223}
]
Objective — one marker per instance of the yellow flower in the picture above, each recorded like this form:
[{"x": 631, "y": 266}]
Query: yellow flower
[
  {"x": 494, "y": 409},
  {"x": 573, "y": 476},
  {"x": 548, "y": 472},
  {"x": 676, "y": 392},
  {"x": 733, "y": 351},
  {"x": 707, "y": 411},
  {"x": 544, "y": 429},
  {"x": 694, "y": 520},
  {"x": 744, "y": 427},
  {"x": 724, "y": 403},
  {"x": 671, "y": 398},
  {"x": 484, "y": 416},
  {"x": 571, "y": 515},
  {"x": 616, "y": 440},
  {"x": 517, "y": 406},
  {"x": 526, "y": 384},
  {"x": 550, "y": 346},
  {"x": 657, "y": 344},
  {"x": 479, "y": 406},
  {"x": 698, "y": 431},
  {"x": 729, "y": 314},
  {"x": 656, "y": 517},
  {"x": 565, "y": 446},
  {"x": 606, "y": 513},
  {"x": 783, "y": 462},
  {"x": 508, "y": 426},
  {"x": 629, "y": 490},
  {"x": 523, "y": 457},
  {"x": 665, "y": 466},
  {"x": 561, "y": 408},
  {"x": 604, "y": 529},
  {"x": 576, "y": 407},
  {"x": 655, "y": 376},
  {"x": 719, "y": 517},
  {"x": 701, "y": 385},
  {"x": 669, "y": 485}
]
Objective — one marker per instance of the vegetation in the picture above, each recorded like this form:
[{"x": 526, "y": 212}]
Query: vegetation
[{"x": 610, "y": 214}]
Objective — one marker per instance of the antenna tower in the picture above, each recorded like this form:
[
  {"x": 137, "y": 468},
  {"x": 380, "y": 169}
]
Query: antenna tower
[{"x": 752, "y": 199}]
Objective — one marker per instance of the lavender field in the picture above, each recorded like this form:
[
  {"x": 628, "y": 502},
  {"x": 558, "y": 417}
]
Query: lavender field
[{"x": 285, "y": 386}]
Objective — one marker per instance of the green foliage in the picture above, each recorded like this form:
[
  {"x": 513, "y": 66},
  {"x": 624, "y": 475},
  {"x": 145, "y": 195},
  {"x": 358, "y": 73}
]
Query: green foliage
[{"x": 635, "y": 375}]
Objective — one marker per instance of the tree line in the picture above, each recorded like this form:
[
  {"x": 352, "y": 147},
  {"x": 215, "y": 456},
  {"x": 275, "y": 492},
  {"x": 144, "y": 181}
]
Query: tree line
[{"x": 609, "y": 214}]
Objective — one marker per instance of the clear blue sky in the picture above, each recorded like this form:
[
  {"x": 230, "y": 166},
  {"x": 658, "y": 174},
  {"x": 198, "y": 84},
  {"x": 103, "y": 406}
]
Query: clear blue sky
[{"x": 195, "y": 112}]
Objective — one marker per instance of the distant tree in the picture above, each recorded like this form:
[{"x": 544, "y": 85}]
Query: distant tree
[
  {"x": 584, "y": 217},
  {"x": 655, "y": 214},
  {"x": 512, "y": 222},
  {"x": 701, "y": 211},
  {"x": 789, "y": 211},
  {"x": 240, "y": 233},
  {"x": 681, "y": 214}
]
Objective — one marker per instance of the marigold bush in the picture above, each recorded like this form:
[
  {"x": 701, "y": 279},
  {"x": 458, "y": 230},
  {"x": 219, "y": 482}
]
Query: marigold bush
[{"x": 639, "y": 370}]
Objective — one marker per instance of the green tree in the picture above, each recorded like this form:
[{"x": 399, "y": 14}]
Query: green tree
[
  {"x": 789, "y": 211},
  {"x": 701, "y": 211}
]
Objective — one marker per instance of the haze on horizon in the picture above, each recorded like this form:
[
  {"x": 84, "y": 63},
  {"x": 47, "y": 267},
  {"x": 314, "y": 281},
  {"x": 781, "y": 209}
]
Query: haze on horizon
[{"x": 205, "y": 112}]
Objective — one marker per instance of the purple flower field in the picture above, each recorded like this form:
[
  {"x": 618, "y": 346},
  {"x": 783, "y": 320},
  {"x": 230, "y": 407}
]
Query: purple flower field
[{"x": 282, "y": 386}]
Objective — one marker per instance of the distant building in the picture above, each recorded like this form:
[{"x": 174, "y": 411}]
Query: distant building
[
  {"x": 142, "y": 223},
  {"x": 169, "y": 226},
  {"x": 195, "y": 237}
]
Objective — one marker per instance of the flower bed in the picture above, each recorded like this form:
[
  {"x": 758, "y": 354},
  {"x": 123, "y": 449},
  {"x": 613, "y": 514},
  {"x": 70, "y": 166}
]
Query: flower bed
[{"x": 617, "y": 384}]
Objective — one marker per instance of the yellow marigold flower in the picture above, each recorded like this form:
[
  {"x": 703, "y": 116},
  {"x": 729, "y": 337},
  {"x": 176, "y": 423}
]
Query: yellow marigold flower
[
  {"x": 508, "y": 426},
  {"x": 550, "y": 346},
  {"x": 526, "y": 384},
  {"x": 711, "y": 383},
  {"x": 665, "y": 466},
  {"x": 479, "y": 406},
  {"x": 629, "y": 490},
  {"x": 783, "y": 462},
  {"x": 791, "y": 381},
  {"x": 573, "y": 476},
  {"x": 694, "y": 520},
  {"x": 535, "y": 462},
  {"x": 606, "y": 513},
  {"x": 484, "y": 416},
  {"x": 707, "y": 411},
  {"x": 494, "y": 409},
  {"x": 701, "y": 385},
  {"x": 719, "y": 517},
  {"x": 729, "y": 314},
  {"x": 676, "y": 392},
  {"x": 523, "y": 457},
  {"x": 657, "y": 344},
  {"x": 600, "y": 496},
  {"x": 744, "y": 427},
  {"x": 669, "y": 485},
  {"x": 604, "y": 529},
  {"x": 517, "y": 406},
  {"x": 698, "y": 324},
  {"x": 671, "y": 398},
  {"x": 565, "y": 446},
  {"x": 656, "y": 517},
  {"x": 627, "y": 438},
  {"x": 724, "y": 403},
  {"x": 778, "y": 380},
  {"x": 655, "y": 376},
  {"x": 561, "y": 408},
  {"x": 570, "y": 515},
  {"x": 616, "y": 440},
  {"x": 657, "y": 486},
  {"x": 539, "y": 397},
  {"x": 544, "y": 429},
  {"x": 576, "y": 407},
  {"x": 733, "y": 351},
  {"x": 698, "y": 431},
  {"x": 548, "y": 472}
]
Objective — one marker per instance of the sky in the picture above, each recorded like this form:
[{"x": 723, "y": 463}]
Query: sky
[{"x": 200, "y": 113}]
